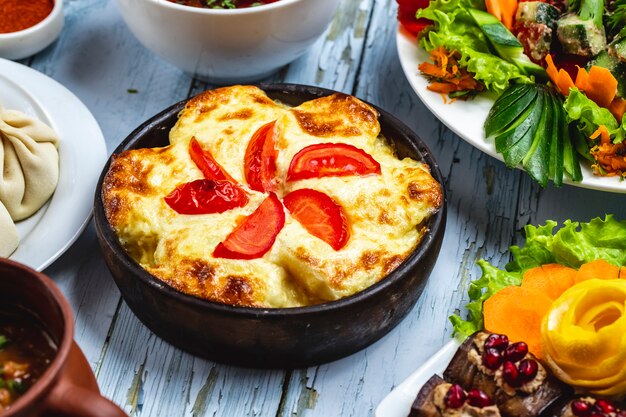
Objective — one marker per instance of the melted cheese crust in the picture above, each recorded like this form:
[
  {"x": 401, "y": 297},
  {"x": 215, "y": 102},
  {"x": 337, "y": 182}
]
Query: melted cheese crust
[{"x": 386, "y": 212}]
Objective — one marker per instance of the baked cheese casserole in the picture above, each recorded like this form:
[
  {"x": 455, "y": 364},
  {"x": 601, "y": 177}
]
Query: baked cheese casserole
[{"x": 344, "y": 211}]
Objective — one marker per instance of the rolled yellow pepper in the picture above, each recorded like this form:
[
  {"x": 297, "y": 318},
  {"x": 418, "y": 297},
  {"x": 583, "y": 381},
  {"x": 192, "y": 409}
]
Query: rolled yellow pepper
[{"x": 583, "y": 337}]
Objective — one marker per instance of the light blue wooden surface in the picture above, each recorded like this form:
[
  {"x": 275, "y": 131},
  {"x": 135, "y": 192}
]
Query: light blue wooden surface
[{"x": 99, "y": 60}]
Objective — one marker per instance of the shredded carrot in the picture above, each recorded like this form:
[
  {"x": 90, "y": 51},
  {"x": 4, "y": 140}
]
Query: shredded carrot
[
  {"x": 446, "y": 75},
  {"x": 610, "y": 159}
]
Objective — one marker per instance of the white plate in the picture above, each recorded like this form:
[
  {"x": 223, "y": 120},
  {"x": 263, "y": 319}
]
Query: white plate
[
  {"x": 82, "y": 154},
  {"x": 398, "y": 402},
  {"x": 466, "y": 118}
]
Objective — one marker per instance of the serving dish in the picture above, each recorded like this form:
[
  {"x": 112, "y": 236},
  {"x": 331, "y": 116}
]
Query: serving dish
[
  {"x": 564, "y": 285},
  {"x": 467, "y": 118},
  {"x": 50, "y": 231},
  {"x": 27, "y": 42},
  {"x": 68, "y": 386},
  {"x": 398, "y": 402},
  {"x": 272, "y": 337},
  {"x": 228, "y": 46}
]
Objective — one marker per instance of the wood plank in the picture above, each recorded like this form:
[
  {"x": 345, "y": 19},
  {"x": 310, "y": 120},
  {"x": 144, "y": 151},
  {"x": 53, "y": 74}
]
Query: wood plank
[
  {"x": 536, "y": 205},
  {"x": 482, "y": 197}
]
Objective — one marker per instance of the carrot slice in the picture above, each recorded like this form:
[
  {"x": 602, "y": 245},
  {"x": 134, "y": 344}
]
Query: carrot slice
[
  {"x": 622, "y": 272},
  {"x": 602, "y": 86},
  {"x": 517, "y": 312},
  {"x": 582, "y": 79},
  {"x": 560, "y": 78},
  {"x": 618, "y": 108},
  {"x": 550, "y": 279},
  {"x": 565, "y": 82},
  {"x": 599, "y": 269},
  {"x": 553, "y": 73},
  {"x": 493, "y": 7}
]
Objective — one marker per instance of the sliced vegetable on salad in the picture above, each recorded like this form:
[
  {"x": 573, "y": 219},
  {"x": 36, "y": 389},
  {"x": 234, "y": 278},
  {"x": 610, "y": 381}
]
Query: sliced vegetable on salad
[{"x": 558, "y": 67}]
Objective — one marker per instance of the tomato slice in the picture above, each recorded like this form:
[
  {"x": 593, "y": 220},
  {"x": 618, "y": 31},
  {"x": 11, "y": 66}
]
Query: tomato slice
[
  {"x": 260, "y": 159},
  {"x": 331, "y": 160},
  {"x": 206, "y": 163},
  {"x": 320, "y": 215},
  {"x": 206, "y": 196},
  {"x": 253, "y": 237}
]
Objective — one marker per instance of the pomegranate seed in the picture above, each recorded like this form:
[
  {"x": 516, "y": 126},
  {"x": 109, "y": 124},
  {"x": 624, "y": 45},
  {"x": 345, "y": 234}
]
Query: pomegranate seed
[
  {"x": 528, "y": 370},
  {"x": 597, "y": 414},
  {"x": 604, "y": 406},
  {"x": 496, "y": 341},
  {"x": 478, "y": 398},
  {"x": 492, "y": 358},
  {"x": 581, "y": 408},
  {"x": 455, "y": 397},
  {"x": 511, "y": 374},
  {"x": 621, "y": 413},
  {"x": 516, "y": 351}
]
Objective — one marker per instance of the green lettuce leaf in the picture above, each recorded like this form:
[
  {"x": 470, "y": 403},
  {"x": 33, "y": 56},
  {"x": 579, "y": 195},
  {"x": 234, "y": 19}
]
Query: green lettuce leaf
[
  {"x": 572, "y": 245},
  {"x": 590, "y": 116},
  {"x": 455, "y": 29}
]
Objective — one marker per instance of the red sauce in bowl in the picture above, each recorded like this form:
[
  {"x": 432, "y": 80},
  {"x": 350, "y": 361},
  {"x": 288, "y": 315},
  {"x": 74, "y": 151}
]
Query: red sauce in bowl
[
  {"x": 223, "y": 4},
  {"x": 18, "y": 15}
]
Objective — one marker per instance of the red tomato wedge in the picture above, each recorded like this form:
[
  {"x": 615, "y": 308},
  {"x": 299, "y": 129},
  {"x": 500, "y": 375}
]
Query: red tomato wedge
[
  {"x": 206, "y": 196},
  {"x": 260, "y": 159},
  {"x": 253, "y": 237},
  {"x": 331, "y": 160},
  {"x": 206, "y": 163},
  {"x": 320, "y": 215}
]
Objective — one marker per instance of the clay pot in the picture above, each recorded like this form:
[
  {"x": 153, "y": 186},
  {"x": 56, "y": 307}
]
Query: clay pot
[
  {"x": 67, "y": 388},
  {"x": 279, "y": 337}
]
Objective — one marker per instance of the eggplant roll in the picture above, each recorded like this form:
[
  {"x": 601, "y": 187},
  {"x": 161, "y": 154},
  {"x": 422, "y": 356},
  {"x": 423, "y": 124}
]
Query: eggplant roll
[{"x": 519, "y": 384}]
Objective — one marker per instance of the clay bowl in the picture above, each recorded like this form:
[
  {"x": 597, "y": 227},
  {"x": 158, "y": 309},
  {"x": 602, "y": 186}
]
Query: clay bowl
[
  {"x": 288, "y": 337},
  {"x": 67, "y": 387}
]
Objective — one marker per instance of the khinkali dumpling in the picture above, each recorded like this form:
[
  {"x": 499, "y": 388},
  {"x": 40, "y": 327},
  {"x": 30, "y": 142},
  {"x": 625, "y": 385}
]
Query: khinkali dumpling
[
  {"x": 29, "y": 163},
  {"x": 8, "y": 233}
]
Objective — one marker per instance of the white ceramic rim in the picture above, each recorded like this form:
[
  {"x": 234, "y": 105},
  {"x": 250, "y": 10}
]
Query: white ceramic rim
[
  {"x": 56, "y": 10},
  {"x": 466, "y": 118},
  {"x": 49, "y": 232},
  {"x": 217, "y": 12},
  {"x": 398, "y": 402}
]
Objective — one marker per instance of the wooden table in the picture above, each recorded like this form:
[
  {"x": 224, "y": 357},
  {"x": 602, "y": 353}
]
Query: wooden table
[{"x": 101, "y": 62}]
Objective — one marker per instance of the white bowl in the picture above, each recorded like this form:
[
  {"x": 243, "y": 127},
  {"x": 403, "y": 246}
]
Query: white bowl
[
  {"x": 228, "y": 46},
  {"x": 27, "y": 42}
]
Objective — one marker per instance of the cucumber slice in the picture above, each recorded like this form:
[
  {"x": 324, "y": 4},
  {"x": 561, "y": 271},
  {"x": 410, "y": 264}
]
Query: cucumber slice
[
  {"x": 529, "y": 12},
  {"x": 508, "y": 110},
  {"x": 556, "y": 141},
  {"x": 571, "y": 165},
  {"x": 505, "y": 43},
  {"x": 516, "y": 144},
  {"x": 537, "y": 160}
]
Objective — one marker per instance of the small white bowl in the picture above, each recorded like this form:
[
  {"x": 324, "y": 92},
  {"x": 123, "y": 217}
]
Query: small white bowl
[
  {"x": 27, "y": 42},
  {"x": 228, "y": 46}
]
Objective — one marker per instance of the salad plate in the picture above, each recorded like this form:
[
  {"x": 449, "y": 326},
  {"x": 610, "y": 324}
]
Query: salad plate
[
  {"x": 52, "y": 229},
  {"x": 467, "y": 118}
]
